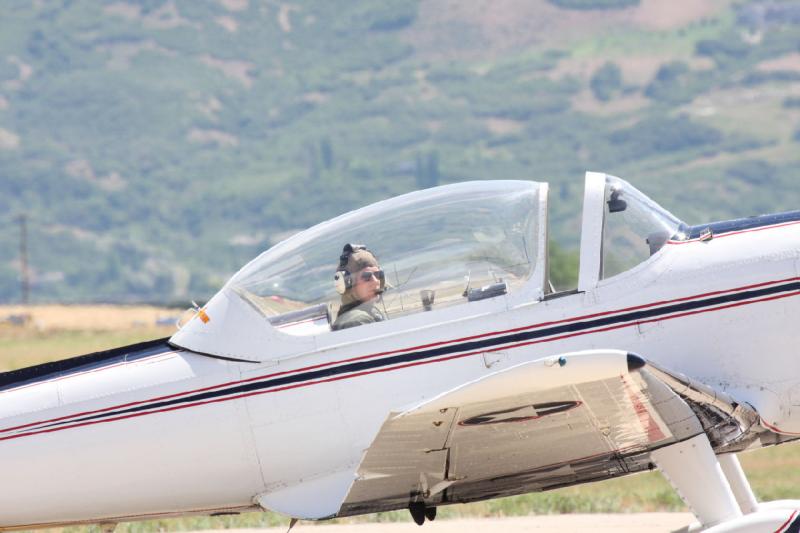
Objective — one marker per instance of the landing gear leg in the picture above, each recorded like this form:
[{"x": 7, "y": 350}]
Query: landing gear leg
[
  {"x": 692, "y": 469},
  {"x": 738, "y": 482}
]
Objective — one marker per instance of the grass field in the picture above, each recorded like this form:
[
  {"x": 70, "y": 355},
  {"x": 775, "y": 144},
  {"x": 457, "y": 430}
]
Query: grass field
[{"x": 773, "y": 472}]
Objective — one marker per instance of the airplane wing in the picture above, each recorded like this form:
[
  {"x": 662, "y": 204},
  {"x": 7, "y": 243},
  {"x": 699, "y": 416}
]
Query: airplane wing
[{"x": 543, "y": 424}]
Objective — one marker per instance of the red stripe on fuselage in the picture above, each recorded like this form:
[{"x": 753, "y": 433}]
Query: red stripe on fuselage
[
  {"x": 780, "y": 529},
  {"x": 777, "y": 429}
]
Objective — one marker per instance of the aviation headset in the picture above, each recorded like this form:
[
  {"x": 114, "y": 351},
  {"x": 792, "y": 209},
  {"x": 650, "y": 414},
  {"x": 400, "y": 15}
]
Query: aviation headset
[{"x": 343, "y": 279}]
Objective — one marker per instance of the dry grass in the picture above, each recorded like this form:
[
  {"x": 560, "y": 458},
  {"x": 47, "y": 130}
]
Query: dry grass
[
  {"x": 90, "y": 317},
  {"x": 55, "y": 332},
  {"x": 21, "y": 347}
]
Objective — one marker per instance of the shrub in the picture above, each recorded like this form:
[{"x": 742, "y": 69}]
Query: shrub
[
  {"x": 426, "y": 170},
  {"x": 606, "y": 81},
  {"x": 389, "y": 15},
  {"x": 722, "y": 50},
  {"x": 791, "y": 101},
  {"x": 657, "y": 135},
  {"x": 753, "y": 171},
  {"x": 756, "y": 78},
  {"x": 674, "y": 83},
  {"x": 563, "y": 267}
]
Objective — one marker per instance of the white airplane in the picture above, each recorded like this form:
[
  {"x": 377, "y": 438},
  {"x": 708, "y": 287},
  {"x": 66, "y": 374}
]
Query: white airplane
[{"x": 474, "y": 379}]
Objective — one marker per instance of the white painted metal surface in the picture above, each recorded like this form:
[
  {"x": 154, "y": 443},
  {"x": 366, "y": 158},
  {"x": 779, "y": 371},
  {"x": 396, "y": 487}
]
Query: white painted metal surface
[
  {"x": 592, "y": 232},
  {"x": 692, "y": 468},
  {"x": 738, "y": 482},
  {"x": 542, "y": 374}
]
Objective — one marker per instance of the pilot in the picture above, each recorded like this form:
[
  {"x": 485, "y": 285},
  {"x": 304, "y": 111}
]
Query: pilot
[{"x": 360, "y": 281}]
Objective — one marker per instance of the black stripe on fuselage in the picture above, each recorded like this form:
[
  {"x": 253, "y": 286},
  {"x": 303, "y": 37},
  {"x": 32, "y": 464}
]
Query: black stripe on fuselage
[
  {"x": 81, "y": 363},
  {"x": 468, "y": 347},
  {"x": 741, "y": 224}
]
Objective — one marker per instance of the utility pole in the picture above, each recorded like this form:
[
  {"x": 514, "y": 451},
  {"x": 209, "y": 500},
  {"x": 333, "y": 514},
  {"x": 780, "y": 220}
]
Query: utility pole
[{"x": 25, "y": 275}]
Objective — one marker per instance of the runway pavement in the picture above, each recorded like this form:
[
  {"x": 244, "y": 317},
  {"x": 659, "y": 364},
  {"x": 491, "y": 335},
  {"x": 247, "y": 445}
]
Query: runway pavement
[{"x": 618, "y": 523}]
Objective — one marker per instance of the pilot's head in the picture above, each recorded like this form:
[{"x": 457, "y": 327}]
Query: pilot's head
[{"x": 359, "y": 278}]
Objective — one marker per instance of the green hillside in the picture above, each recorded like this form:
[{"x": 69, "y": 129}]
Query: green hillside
[{"x": 157, "y": 145}]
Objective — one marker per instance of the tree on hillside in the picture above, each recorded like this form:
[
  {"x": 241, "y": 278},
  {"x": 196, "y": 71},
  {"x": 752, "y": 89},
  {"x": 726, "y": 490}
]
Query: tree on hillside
[
  {"x": 563, "y": 266},
  {"x": 659, "y": 135},
  {"x": 426, "y": 170},
  {"x": 671, "y": 84},
  {"x": 753, "y": 171},
  {"x": 326, "y": 153},
  {"x": 606, "y": 81}
]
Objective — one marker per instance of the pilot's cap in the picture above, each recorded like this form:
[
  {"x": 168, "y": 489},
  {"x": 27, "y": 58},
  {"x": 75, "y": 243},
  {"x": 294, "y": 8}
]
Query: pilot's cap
[{"x": 361, "y": 259}]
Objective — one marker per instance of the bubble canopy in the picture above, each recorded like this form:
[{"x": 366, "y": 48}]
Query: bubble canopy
[{"x": 464, "y": 242}]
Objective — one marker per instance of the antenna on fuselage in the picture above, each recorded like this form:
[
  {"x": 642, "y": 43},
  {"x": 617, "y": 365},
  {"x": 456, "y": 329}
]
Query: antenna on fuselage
[{"x": 398, "y": 285}]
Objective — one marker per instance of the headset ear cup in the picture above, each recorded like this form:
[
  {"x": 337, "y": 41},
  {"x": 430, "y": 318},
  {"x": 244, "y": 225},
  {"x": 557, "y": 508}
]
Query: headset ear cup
[{"x": 340, "y": 281}]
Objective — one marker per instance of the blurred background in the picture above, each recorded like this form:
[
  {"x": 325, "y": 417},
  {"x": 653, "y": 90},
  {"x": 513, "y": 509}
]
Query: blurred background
[{"x": 149, "y": 148}]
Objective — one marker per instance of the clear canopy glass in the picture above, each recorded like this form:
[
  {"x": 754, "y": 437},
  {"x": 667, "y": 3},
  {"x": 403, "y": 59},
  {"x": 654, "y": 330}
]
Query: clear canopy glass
[
  {"x": 437, "y": 247},
  {"x": 634, "y": 227}
]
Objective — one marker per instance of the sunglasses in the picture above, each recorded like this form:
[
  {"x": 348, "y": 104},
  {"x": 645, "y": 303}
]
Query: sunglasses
[{"x": 367, "y": 275}]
